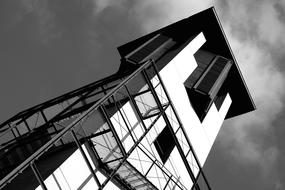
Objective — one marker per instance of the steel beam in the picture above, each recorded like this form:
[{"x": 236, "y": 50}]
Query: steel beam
[
  {"x": 38, "y": 175},
  {"x": 124, "y": 120},
  {"x": 85, "y": 157},
  {"x": 168, "y": 124},
  {"x": 180, "y": 123},
  {"x": 135, "y": 106},
  {"x": 110, "y": 124},
  {"x": 128, "y": 153}
]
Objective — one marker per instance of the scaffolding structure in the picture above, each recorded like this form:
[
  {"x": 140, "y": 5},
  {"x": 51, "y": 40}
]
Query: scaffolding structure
[
  {"x": 131, "y": 130},
  {"x": 109, "y": 142}
]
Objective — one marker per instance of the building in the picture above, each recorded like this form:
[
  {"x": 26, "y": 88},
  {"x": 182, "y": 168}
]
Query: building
[{"x": 151, "y": 125}]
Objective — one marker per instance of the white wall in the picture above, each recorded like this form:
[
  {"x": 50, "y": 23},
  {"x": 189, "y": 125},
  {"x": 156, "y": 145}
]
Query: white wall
[
  {"x": 174, "y": 74},
  {"x": 73, "y": 172}
]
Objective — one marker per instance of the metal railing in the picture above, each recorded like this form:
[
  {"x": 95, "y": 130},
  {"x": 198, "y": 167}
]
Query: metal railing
[
  {"x": 69, "y": 105},
  {"x": 30, "y": 161},
  {"x": 56, "y": 138}
]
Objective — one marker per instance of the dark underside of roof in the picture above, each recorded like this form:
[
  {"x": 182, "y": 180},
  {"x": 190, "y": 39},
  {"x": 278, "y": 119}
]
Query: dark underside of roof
[{"x": 182, "y": 33}]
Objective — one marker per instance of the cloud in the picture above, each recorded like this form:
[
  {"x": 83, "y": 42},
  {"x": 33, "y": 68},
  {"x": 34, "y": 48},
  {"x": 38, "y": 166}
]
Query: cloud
[
  {"x": 278, "y": 185},
  {"x": 101, "y": 5},
  {"x": 45, "y": 18},
  {"x": 254, "y": 31},
  {"x": 156, "y": 14},
  {"x": 247, "y": 136},
  {"x": 153, "y": 14}
]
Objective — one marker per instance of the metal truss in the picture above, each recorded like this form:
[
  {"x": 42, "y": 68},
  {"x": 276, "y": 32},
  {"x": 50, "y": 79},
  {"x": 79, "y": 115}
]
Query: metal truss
[
  {"x": 32, "y": 128},
  {"x": 104, "y": 128}
]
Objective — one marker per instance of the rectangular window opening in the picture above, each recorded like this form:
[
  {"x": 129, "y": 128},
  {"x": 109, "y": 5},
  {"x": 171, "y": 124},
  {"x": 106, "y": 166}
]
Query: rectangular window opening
[
  {"x": 206, "y": 85},
  {"x": 164, "y": 144}
]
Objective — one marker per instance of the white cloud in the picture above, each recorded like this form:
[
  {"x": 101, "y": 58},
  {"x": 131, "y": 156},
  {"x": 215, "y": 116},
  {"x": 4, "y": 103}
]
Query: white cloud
[
  {"x": 270, "y": 26},
  {"x": 153, "y": 14},
  {"x": 156, "y": 14},
  {"x": 101, "y": 5},
  {"x": 253, "y": 30}
]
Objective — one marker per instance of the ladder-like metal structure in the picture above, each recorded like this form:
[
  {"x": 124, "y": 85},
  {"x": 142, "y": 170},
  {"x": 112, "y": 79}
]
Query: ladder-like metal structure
[{"x": 89, "y": 120}]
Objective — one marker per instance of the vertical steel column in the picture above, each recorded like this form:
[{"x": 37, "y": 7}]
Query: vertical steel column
[
  {"x": 154, "y": 162},
  {"x": 180, "y": 123},
  {"x": 85, "y": 157},
  {"x": 12, "y": 131},
  {"x": 124, "y": 119},
  {"x": 169, "y": 179},
  {"x": 27, "y": 125},
  {"x": 105, "y": 92},
  {"x": 128, "y": 153},
  {"x": 56, "y": 181},
  {"x": 168, "y": 124},
  {"x": 38, "y": 175},
  {"x": 135, "y": 106},
  {"x": 103, "y": 109},
  {"x": 18, "y": 132},
  {"x": 46, "y": 120},
  {"x": 53, "y": 125}
]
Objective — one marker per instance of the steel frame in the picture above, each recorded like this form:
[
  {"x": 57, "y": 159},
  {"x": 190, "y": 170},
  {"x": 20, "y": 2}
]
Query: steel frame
[
  {"x": 57, "y": 137},
  {"x": 171, "y": 130},
  {"x": 182, "y": 127},
  {"x": 100, "y": 105}
]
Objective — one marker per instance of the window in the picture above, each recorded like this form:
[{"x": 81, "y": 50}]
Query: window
[
  {"x": 204, "y": 86},
  {"x": 152, "y": 49},
  {"x": 164, "y": 144}
]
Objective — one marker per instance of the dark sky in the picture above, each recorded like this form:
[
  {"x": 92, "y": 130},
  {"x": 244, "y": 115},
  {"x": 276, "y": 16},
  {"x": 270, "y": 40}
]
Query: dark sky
[{"x": 48, "y": 48}]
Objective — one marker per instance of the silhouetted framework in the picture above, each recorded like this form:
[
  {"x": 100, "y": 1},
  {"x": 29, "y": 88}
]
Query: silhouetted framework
[
  {"x": 94, "y": 134},
  {"x": 27, "y": 131},
  {"x": 132, "y": 130}
]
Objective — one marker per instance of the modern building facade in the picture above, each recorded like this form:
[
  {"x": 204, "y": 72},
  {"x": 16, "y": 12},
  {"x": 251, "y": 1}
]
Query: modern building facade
[{"x": 151, "y": 125}]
